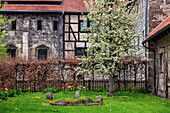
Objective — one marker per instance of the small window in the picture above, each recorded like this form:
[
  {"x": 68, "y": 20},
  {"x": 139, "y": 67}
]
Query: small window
[
  {"x": 82, "y": 26},
  {"x": 55, "y": 25},
  {"x": 42, "y": 54},
  {"x": 161, "y": 62},
  {"x": 80, "y": 51},
  {"x": 14, "y": 25},
  {"x": 39, "y": 25},
  {"x": 91, "y": 24},
  {"x": 12, "y": 52}
]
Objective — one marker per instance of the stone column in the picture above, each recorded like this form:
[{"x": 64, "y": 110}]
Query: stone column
[{"x": 25, "y": 44}]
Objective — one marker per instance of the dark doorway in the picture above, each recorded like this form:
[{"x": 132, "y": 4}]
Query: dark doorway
[
  {"x": 42, "y": 53},
  {"x": 12, "y": 52}
]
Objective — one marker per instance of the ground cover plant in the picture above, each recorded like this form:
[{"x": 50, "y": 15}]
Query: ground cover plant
[{"x": 122, "y": 102}]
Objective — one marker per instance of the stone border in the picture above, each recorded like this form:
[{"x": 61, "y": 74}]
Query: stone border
[{"x": 60, "y": 103}]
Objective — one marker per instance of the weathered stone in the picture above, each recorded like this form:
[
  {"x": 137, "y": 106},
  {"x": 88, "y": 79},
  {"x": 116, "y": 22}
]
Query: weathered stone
[
  {"x": 76, "y": 94},
  {"x": 99, "y": 99},
  {"x": 49, "y": 96},
  {"x": 158, "y": 11},
  {"x": 28, "y": 22}
]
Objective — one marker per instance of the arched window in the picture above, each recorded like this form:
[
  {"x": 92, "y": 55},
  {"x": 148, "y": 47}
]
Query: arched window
[{"x": 42, "y": 52}]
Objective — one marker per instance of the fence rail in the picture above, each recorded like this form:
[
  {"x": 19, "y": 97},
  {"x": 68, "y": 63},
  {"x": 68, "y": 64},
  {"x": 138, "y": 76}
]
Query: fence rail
[{"x": 92, "y": 85}]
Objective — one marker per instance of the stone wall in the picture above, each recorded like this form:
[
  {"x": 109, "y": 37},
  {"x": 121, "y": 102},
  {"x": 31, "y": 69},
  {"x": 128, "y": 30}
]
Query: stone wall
[
  {"x": 162, "y": 79},
  {"x": 27, "y": 39},
  {"x": 158, "y": 10}
]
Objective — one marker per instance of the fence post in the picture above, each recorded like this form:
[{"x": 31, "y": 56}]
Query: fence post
[
  {"x": 16, "y": 71},
  {"x": 135, "y": 68},
  {"x": 146, "y": 87},
  {"x": 89, "y": 84},
  {"x": 105, "y": 84}
]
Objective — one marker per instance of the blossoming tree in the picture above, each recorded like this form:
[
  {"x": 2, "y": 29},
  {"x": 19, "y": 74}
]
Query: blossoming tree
[{"x": 111, "y": 37}]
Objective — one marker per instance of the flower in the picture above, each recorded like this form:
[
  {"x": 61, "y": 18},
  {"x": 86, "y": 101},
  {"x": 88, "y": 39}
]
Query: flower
[
  {"x": 28, "y": 88},
  {"x": 78, "y": 87},
  {"x": 64, "y": 87},
  {"x": 117, "y": 86},
  {"x": 86, "y": 87},
  {"x": 6, "y": 89},
  {"x": 68, "y": 87},
  {"x": 61, "y": 88},
  {"x": 131, "y": 86},
  {"x": 102, "y": 88},
  {"x": 123, "y": 85}
]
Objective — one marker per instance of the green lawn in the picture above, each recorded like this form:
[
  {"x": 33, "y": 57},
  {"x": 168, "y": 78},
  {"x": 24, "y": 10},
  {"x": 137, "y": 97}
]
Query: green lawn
[{"x": 124, "y": 102}]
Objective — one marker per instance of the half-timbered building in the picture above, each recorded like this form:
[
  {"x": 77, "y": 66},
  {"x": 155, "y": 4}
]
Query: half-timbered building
[
  {"x": 45, "y": 28},
  {"x": 48, "y": 28}
]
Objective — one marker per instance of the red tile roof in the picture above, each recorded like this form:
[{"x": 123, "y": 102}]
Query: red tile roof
[
  {"x": 68, "y": 5},
  {"x": 74, "y": 5},
  {"x": 161, "y": 27},
  {"x": 33, "y": 0}
]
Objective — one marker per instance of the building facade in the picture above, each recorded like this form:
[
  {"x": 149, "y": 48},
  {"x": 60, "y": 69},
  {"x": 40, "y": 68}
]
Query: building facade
[
  {"x": 158, "y": 11},
  {"x": 51, "y": 28},
  {"x": 156, "y": 44},
  {"x": 45, "y": 29},
  {"x": 159, "y": 57}
]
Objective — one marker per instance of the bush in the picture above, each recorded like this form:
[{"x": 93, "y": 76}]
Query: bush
[
  {"x": 3, "y": 95},
  {"x": 53, "y": 90},
  {"x": 18, "y": 91},
  {"x": 12, "y": 93}
]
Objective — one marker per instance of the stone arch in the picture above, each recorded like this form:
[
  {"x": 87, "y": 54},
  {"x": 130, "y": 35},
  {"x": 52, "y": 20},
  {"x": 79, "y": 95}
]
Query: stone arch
[
  {"x": 12, "y": 50},
  {"x": 42, "y": 52}
]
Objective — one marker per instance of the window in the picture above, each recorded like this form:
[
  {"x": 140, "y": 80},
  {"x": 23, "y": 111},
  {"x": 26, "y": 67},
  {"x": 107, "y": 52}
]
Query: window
[
  {"x": 161, "y": 62},
  {"x": 12, "y": 52},
  {"x": 80, "y": 51},
  {"x": 91, "y": 24},
  {"x": 39, "y": 25},
  {"x": 14, "y": 25},
  {"x": 55, "y": 25},
  {"x": 42, "y": 53},
  {"x": 82, "y": 26}
]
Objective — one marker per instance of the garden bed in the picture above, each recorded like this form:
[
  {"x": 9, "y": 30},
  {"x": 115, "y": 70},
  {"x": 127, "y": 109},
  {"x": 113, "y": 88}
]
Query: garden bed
[{"x": 60, "y": 103}]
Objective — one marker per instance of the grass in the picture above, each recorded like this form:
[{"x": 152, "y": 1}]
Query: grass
[{"x": 122, "y": 103}]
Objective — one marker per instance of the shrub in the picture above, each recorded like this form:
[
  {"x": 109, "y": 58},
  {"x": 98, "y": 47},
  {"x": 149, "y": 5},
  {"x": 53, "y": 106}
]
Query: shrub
[
  {"x": 3, "y": 95},
  {"x": 18, "y": 91},
  {"x": 12, "y": 93},
  {"x": 53, "y": 90}
]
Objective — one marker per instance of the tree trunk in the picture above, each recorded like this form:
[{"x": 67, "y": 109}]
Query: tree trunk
[{"x": 111, "y": 82}]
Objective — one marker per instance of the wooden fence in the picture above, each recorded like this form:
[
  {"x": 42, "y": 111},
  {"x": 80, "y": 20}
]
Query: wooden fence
[
  {"x": 129, "y": 75},
  {"x": 87, "y": 84}
]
